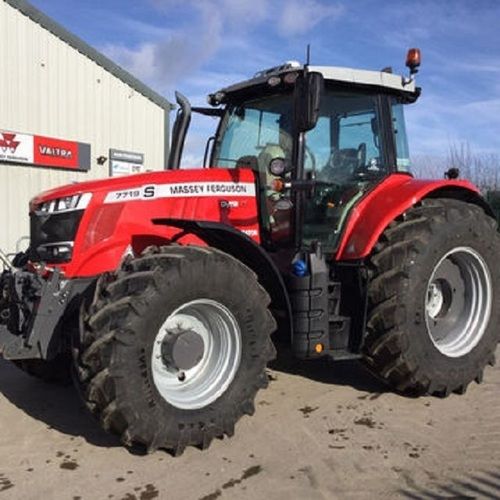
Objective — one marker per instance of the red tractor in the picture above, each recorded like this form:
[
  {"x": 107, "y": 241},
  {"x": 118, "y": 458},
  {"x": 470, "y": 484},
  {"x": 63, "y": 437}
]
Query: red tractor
[{"x": 165, "y": 293}]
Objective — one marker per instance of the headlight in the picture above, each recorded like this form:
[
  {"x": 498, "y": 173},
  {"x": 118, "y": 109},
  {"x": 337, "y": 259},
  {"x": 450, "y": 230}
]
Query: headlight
[
  {"x": 216, "y": 99},
  {"x": 277, "y": 166},
  {"x": 291, "y": 78},
  {"x": 54, "y": 226},
  {"x": 66, "y": 204},
  {"x": 273, "y": 81}
]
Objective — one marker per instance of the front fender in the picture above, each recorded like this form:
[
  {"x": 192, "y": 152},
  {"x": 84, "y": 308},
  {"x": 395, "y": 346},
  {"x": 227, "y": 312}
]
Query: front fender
[
  {"x": 392, "y": 197},
  {"x": 242, "y": 247}
]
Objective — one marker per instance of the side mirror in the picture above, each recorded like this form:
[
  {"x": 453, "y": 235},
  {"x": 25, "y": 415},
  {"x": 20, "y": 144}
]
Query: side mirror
[{"x": 307, "y": 100}]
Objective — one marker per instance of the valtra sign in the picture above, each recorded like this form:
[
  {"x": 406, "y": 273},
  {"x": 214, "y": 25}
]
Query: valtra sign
[{"x": 44, "y": 151}]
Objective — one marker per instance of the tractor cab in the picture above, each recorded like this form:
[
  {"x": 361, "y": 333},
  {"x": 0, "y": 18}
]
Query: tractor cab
[{"x": 318, "y": 138}]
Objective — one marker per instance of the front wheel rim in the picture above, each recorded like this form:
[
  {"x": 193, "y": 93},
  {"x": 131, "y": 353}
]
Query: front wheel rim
[
  {"x": 458, "y": 302},
  {"x": 205, "y": 382}
]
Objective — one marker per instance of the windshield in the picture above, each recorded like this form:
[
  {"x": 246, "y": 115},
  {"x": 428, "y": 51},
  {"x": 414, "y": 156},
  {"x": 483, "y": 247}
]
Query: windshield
[
  {"x": 251, "y": 135},
  {"x": 255, "y": 132}
]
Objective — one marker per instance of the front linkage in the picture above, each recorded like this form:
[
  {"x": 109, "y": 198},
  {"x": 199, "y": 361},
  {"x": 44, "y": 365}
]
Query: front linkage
[{"x": 33, "y": 308}]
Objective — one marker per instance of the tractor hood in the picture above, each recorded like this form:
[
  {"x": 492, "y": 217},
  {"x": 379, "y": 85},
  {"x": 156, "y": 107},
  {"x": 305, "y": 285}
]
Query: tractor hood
[
  {"x": 87, "y": 228},
  {"x": 139, "y": 181}
]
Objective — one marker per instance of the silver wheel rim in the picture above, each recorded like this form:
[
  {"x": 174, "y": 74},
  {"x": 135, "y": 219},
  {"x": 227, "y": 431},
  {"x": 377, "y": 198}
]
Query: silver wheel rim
[
  {"x": 458, "y": 302},
  {"x": 205, "y": 382}
]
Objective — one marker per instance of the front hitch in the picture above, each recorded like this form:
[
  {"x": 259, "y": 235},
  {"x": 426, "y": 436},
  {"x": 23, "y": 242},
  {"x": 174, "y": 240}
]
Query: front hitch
[{"x": 35, "y": 310}]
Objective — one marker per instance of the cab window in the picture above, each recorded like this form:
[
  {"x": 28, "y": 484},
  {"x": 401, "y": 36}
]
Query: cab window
[
  {"x": 253, "y": 131},
  {"x": 402, "y": 150}
]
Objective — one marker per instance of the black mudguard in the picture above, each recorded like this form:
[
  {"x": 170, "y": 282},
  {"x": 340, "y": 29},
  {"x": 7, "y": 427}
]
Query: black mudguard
[{"x": 242, "y": 247}]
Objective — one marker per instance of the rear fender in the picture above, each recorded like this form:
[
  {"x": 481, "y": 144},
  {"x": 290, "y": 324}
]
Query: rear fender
[{"x": 391, "y": 198}]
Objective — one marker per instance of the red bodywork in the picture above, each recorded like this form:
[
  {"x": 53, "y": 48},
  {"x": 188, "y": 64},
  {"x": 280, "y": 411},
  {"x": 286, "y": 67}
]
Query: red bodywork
[
  {"x": 396, "y": 194},
  {"x": 121, "y": 211}
]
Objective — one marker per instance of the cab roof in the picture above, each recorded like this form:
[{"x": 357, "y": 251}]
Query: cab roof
[
  {"x": 357, "y": 77},
  {"x": 365, "y": 77}
]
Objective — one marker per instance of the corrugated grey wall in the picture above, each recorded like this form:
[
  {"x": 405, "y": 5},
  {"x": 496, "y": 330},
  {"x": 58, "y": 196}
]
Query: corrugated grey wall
[{"x": 49, "y": 88}]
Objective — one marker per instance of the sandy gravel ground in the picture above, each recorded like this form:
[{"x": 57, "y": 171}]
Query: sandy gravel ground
[{"x": 324, "y": 431}]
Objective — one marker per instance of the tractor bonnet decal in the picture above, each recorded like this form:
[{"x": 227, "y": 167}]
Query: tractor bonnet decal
[{"x": 182, "y": 190}]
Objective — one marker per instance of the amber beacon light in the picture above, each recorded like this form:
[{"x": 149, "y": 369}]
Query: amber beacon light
[{"x": 413, "y": 59}]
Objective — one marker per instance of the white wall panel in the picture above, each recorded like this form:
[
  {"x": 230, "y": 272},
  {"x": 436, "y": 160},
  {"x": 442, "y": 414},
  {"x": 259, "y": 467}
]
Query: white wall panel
[{"x": 49, "y": 88}]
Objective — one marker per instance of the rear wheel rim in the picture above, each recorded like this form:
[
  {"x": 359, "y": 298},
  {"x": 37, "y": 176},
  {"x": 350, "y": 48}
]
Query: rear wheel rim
[
  {"x": 458, "y": 302},
  {"x": 205, "y": 382}
]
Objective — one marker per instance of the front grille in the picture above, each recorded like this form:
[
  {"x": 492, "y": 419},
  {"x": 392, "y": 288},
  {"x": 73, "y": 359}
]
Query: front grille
[{"x": 53, "y": 234}]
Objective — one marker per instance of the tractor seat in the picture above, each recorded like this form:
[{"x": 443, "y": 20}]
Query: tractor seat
[
  {"x": 248, "y": 161},
  {"x": 341, "y": 165}
]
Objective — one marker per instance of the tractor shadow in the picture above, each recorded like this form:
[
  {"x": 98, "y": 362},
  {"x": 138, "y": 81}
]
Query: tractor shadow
[
  {"x": 59, "y": 407},
  {"x": 350, "y": 373}
]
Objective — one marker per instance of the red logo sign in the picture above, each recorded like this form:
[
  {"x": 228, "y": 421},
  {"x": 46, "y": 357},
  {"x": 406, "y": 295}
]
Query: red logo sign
[
  {"x": 49, "y": 152},
  {"x": 8, "y": 142},
  {"x": 56, "y": 152}
]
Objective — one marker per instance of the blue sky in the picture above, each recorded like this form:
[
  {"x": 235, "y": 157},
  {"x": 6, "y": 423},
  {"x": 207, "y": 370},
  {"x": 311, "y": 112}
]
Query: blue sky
[{"x": 198, "y": 46}]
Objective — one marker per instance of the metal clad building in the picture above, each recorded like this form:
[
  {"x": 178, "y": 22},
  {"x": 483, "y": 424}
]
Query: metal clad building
[{"x": 53, "y": 84}]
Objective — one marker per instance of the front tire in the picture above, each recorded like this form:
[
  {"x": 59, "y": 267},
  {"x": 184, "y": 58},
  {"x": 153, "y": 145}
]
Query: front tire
[
  {"x": 174, "y": 347},
  {"x": 434, "y": 299}
]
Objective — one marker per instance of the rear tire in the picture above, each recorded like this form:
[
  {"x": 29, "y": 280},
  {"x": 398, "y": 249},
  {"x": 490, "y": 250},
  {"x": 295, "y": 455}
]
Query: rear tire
[
  {"x": 434, "y": 299},
  {"x": 126, "y": 368}
]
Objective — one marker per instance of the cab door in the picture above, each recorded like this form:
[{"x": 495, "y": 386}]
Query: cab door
[{"x": 346, "y": 153}]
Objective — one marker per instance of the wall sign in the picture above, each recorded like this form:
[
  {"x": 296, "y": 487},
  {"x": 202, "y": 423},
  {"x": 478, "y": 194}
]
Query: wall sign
[
  {"x": 125, "y": 162},
  {"x": 43, "y": 151}
]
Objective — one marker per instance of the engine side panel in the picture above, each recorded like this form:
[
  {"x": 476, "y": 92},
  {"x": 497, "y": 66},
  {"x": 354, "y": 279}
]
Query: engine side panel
[
  {"x": 121, "y": 212},
  {"x": 387, "y": 201}
]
